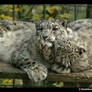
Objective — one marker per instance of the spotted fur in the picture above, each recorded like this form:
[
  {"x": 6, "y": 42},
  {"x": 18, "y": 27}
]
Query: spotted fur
[{"x": 47, "y": 45}]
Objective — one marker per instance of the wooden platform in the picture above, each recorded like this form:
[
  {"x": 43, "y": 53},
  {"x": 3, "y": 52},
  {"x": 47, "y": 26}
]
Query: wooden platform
[{"x": 10, "y": 72}]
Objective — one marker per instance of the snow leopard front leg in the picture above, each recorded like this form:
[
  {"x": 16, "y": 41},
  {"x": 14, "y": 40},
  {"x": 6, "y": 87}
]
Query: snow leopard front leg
[{"x": 35, "y": 71}]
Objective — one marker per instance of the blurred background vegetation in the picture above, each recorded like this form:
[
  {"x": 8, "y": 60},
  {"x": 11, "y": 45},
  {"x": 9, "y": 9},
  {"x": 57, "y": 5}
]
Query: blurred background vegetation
[
  {"x": 45, "y": 11},
  {"x": 37, "y": 12}
]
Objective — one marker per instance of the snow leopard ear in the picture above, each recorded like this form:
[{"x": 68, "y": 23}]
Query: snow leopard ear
[
  {"x": 81, "y": 51},
  {"x": 63, "y": 22},
  {"x": 37, "y": 23}
]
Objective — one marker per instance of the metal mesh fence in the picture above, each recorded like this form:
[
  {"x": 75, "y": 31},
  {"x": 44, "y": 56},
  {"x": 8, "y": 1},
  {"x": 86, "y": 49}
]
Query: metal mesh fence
[{"x": 29, "y": 12}]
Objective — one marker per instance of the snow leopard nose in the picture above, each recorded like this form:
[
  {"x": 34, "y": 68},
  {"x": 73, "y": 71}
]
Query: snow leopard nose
[{"x": 45, "y": 37}]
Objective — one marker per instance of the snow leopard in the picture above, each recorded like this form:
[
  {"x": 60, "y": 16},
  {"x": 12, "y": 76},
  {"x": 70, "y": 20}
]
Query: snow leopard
[
  {"x": 20, "y": 45},
  {"x": 64, "y": 48},
  {"x": 81, "y": 31},
  {"x": 71, "y": 50},
  {"x": 39, "y": 47},
  {"x": 15, "y": 49}
]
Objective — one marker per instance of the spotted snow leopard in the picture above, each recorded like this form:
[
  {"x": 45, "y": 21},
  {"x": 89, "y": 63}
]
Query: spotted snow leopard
[
  {"x": 82, "y": 34},
  {"x": 38, "y": 47},
  {"x": 66, "y": 48},
  {"x": 19, "y": 46}
]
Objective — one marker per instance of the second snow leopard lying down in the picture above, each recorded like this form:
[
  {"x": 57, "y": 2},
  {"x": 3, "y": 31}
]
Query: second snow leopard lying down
[
  {"x": 45, "y": 46},
  {"x": 82, "y": 34},
  {"x": 66, "y": 51}
]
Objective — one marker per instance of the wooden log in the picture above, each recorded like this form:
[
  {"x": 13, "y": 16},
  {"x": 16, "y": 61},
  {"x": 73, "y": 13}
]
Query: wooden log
[
  {"x": 10, "y": 72},
  {"x": 71, "y": 77},
  {"x": 32, "y": 84},
  {"x": 77, "y": 84}
]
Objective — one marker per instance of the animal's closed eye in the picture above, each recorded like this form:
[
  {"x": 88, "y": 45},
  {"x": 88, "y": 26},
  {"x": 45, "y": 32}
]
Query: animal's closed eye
[
  {"x": 54, "y": 28},
  {"x": 39, "y": 28},
  {"x": 33, "y": 63},
  {"x": 45, "y": 37}
]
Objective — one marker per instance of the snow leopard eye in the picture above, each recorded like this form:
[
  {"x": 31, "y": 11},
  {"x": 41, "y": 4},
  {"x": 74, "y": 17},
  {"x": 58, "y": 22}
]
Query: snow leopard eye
[
  {"x": 39, "y": 28},
  {"x": 33, "y": 63},
  {"x": 54, "y": 28}
]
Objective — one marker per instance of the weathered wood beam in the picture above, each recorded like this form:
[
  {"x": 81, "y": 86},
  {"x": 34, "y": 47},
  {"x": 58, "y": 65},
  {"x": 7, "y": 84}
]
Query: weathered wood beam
[
  {"x": 8, "y": 71},
  {"x": 72, "y": 77}
]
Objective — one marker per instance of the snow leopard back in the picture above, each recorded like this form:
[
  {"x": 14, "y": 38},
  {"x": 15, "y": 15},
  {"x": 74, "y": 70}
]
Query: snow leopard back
[{"x": 12, "y": 35}]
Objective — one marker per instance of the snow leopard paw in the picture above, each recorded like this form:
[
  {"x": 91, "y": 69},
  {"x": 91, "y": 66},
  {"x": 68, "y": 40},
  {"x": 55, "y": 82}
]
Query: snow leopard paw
[{"x": 35, "y": 71}]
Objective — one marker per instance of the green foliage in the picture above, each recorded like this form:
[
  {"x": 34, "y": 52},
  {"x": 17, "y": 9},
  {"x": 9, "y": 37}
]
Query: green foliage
[
  {"x": 34, "y": 12},
  {"x": 5, "y": 12},
  {"x": 8, "y": 83},
  {"x": 54, "y": 84},
  {"x": 58, "y": 84}
]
